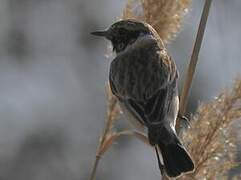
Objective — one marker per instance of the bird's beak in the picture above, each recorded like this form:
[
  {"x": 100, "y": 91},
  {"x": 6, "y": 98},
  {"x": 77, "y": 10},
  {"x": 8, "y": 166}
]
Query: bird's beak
[{"x": 100, "y": 33}]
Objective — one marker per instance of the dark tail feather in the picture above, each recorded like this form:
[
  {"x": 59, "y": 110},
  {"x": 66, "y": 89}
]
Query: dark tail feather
[{"x": 176, "y": 159}]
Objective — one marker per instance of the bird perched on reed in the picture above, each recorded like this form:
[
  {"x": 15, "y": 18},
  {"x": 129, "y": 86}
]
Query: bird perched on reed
[{"x": 143, "y": 77}]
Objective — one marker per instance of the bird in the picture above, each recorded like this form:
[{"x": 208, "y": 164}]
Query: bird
[{"x": 143, "y": 77}]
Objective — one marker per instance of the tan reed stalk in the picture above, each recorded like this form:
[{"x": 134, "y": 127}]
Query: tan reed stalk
[
  {"x": 193, "y": 61},
  {"x": 211, "y": 140},
  {"x": 112, "y": 113}
]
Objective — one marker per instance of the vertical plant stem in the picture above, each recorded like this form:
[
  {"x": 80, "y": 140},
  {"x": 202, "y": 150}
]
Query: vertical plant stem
[
  {"x": 193, "y": 61},
  {"x": 98, "y": 156},
  {"x": 93, "y": 173},
  {"x": 111, "y": 115}
]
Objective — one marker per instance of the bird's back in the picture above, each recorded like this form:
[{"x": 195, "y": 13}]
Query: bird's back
[{"x": 141, "y": 69}]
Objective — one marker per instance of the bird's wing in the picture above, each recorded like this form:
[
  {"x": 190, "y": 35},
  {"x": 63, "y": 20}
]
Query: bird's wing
[
  {"x": 142, "y": 78},
  {"x": 151, "y": 111}
]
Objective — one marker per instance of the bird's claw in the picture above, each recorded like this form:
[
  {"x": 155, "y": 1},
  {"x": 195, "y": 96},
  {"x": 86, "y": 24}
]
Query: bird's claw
[{"x": 184, "y": 119}]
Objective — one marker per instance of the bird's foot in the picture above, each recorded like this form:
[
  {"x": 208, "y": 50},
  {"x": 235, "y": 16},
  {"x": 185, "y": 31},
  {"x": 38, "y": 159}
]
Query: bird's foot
[{"x": 184, "y": 119}]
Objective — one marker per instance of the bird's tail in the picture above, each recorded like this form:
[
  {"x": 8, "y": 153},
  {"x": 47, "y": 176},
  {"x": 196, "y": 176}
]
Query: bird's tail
[{"x": 175, "y": 158}]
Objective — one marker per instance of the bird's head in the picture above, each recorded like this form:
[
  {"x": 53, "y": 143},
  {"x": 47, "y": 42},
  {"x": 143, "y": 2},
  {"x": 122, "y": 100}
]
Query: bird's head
[{"x": 125, "y": 32}]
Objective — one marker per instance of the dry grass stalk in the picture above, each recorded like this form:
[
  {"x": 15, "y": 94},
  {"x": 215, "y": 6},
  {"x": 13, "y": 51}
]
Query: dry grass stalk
[
  {"x": 210, "y": 140},
  {"x": 108, "y": 135},
  {"x": 193, "y": 61},
  {"x": 164, "y": 15}
]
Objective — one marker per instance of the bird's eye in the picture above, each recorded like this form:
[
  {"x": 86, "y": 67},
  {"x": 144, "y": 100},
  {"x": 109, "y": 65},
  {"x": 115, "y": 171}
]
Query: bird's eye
[{"x": 121, "y": 46}]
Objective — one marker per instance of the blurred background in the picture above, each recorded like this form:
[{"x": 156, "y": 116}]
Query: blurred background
[{"x": 53, "y": 75}]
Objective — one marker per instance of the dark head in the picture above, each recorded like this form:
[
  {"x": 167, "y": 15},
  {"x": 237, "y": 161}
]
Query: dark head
[{"x": 124, "y": 33}]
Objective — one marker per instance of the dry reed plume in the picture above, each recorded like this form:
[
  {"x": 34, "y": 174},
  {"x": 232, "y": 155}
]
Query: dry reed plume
[
  {"x": 210, "y": 140},
  {"x": 164, "y": 15}
]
